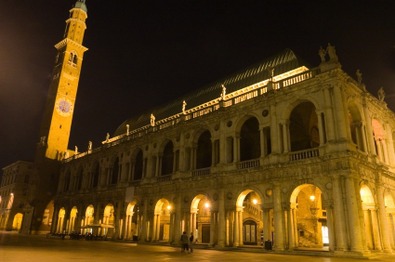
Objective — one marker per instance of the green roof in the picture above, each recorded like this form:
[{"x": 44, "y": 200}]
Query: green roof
[{"x": 278, "y": 64}]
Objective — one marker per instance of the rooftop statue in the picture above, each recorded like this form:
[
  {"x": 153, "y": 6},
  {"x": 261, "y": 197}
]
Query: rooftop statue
[
  {"x": 381, "y": 94},
  {"x": 152, "y": 120},
  {"x": 322, "y": 54},
  {"x": 331, "y": 50},
  {"x": 184, "y": 104}
]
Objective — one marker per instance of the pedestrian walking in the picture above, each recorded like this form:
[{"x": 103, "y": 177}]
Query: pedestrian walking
[
  {"x": 191, "y": 239},
  {"x": 184, "y": 242}
]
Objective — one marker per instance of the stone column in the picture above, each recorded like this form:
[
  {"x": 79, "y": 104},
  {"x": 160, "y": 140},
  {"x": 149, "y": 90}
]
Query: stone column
[
  {"x": 375, "y": 226},
  {"x": 221, "y": 219},
  {"x": 236, "y": 232},
  {"x": 236, "y": 149},
  {"x": 370, "y": 139},
  {"x": 278, "y": 219},
  {"x": 383, "y": 221},
  {"x": 340, "y": 115},
  {"x": 330, "y": 124},
  {"x": 213, "y": 227},
  {"x": 339, "y": 215},
  {"x": 353, "y": 217},
  {"x": 321, "y": 129}
]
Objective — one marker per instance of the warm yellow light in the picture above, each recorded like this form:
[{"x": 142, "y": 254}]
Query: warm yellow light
[
  {"x": 169, "y": 207},
  {"x": 312, "y": 197},
  {"x": 207, "y": 205},
  {"x": 255, "y": 201}
]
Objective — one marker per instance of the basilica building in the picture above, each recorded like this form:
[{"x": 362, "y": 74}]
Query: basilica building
[{"x": 280, "y": 155}]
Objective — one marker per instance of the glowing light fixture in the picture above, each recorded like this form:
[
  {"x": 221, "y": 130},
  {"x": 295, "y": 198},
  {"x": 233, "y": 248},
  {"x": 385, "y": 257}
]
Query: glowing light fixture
[
  {"x": 255, "y": 201},
  {"x": 207, "y": 205}
]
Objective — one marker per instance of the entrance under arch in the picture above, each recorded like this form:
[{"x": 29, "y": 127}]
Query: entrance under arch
[
  {"x": 161, "y": 230},
  {"x": 310, "y": 221},
  {"x": 248, "y": 229},
  {"x": 200, "y": 220},
  {"x": 17, "y": 222},
  {"x": 132, "y": 222}
]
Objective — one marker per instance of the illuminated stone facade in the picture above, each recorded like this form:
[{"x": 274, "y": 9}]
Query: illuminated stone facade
[
  {"x": 301, "y": 157},
  {"x": 278, "y": 154}
]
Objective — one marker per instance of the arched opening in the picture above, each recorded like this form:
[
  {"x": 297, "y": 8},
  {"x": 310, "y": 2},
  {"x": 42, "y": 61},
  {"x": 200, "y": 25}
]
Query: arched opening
[
  {"x": 303, "y": 127},
  {"x": 115, "y": 172},
  {"x": 390, "y": 212},
  {"x": 201, "y": 218},
  {"x": 133, "y": 222},
  {"x": 162, "y": 212},
  {"x": 46, "y": 221},
  {"x": 89, "y": 219},
  {"x": 108, "y": 221},
  {"x": 167, "y": 159},
  {"x": 370, "y": 218},
  {"x": 249, "y": 227},
  {"x": 60, "y": 224},
  {"x": 73, "y": 219},
  {"x": 17, "y": 222},
  {"x": 380, "y": 140},
  {"x": 138, "y": 166},
  {"x": 95, "y": 175},
  {"x": 204, "y": 150},
  {"x": 310, "y": 218},
  {"x": 250, "y": 145},
  {"x": 356, "y": 127}
]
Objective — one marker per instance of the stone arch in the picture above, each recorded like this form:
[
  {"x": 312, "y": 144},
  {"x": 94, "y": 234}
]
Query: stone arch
[
  {"x": 46, "y": 220},
  {"x": 89, "y": 215},
  {"x": 61, "y": 220},
  {"x": 95, "y": 174},
  {"x": 370, "y": 217},
  {"x": 356, "y": 126},
  {"x": 304, "y": 127},
  {"x": 200, "y": 211},
  {"x": 73, "y": 222},
  {"x": 248, "y": 224},
  {"x": 167, "y": 160},
  {"x": 17, "y": 222},
  {"x": 108, "y": 223},
  {"x": 250, "y": 144},
  {"x": 309, "y": 228},
  {"x": 380, "y": 137},
  {"x": 389, "y": 204},
  {"x": 138, "y": 163},
  {"x": 161, "y": 225},
  {"x": 204, "y": 150},
  {"x": 132, "y": 221},
  {"x": 115, "y": 171}
]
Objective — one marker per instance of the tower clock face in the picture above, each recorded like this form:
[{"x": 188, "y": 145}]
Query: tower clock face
[{"x": 64, "y": 107}]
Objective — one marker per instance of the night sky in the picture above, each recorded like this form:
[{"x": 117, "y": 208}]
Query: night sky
[{"x": 143, "y": 54}]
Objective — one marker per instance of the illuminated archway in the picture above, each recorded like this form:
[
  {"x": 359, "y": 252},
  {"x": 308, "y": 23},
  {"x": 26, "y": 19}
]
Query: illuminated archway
[
  {"x": 61, "y": 217},
  {"x": 46, "y": 221},
  {"x": 370, "y": 218},
  {"x": 390, "y": 212},
  {"x": 73, "y": 217},
  {"x": 310, "y": 228},
  {"x": 200, "y": 220},
  {"x": 108, "y": 221},
  {"x": 248, "y": 224},
  {"x": 17, "y": 222},
  {"x": 161, "y": 225},
  {"x": 132, "y": 223}
]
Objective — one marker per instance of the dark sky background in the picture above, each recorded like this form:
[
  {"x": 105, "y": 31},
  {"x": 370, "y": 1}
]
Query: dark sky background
[{"x": 146, "y": 53}]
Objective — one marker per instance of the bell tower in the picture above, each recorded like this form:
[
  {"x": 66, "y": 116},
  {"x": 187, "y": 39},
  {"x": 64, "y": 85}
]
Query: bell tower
[{"x": 58, "y": 114}]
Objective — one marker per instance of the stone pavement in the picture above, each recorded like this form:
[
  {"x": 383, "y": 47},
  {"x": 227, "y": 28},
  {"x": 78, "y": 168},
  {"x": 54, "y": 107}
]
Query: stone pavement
[{"x": 17, "y": 247}]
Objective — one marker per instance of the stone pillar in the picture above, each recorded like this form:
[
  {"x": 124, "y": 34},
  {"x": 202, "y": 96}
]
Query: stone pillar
[
  {"x": 213, "y": 227},
  {"x": 291, "y": 229},
  {"x": 383, "y": 221},
  {"x": 330, "y": 124},
  {"x": 375, "y": 227},
  {"x": 339, "y": 215},
  {"x": 353, "y": 217},
  {"x": 331, "y": 229},
  {"x": 370, "y": 139},
  {"x": 236, "y": 232},
  {"x": 321, "y": 128},
  {"x": 236, "y": 148},
  {"x": 221, "y": 219},
  {"x": 278, "y": 219},
  {"x": 340, "y": 115}
]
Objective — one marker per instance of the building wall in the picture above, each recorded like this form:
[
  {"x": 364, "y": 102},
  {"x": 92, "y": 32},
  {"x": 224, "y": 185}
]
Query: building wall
[{"x": 324, "y": 146}]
